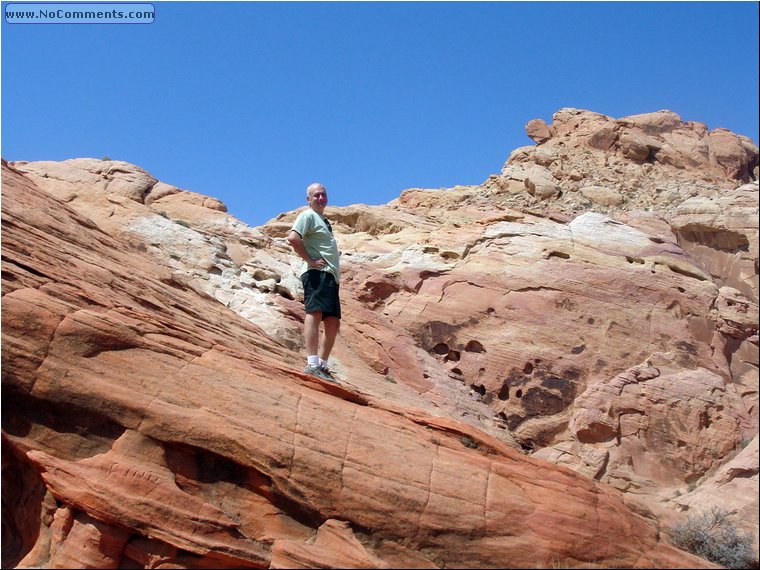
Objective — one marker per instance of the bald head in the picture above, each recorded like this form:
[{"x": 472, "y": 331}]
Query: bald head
[
  {"x": 316, "y": 196},
  {"x": 312, "y": 187}
]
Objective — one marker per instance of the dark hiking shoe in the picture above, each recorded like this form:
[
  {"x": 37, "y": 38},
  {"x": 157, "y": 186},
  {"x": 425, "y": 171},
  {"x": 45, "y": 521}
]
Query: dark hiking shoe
[
  {"x": 329, "y": 372},
  {"x": 319, "y": 372}
]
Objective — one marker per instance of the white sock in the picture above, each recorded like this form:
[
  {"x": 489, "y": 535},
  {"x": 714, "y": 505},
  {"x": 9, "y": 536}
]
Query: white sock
[
  {"x": 323, "y": 363},
  {"x": 312, "y": 360}
]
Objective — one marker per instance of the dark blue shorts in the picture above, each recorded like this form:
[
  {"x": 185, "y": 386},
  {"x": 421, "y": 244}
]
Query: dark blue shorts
[{"x": 320, "y": 293}]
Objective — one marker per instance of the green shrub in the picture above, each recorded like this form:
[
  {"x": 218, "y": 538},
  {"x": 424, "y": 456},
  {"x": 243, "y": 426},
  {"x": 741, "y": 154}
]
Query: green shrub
[
  {"x": 713, "y": 536},
  {"x": 467, "y": 441}
]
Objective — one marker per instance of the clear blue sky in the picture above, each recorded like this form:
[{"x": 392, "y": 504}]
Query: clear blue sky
[{"x": 249, "y": 102}]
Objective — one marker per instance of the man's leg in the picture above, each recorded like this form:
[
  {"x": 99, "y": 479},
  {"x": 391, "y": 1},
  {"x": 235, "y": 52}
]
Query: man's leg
[
  {"x": 332, "y": 326},
  {"x": 311, "y": 332},
  {"x": 312, "y": 342}
]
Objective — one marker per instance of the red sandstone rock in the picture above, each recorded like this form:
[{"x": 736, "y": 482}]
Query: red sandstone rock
[
  {"x": 149, "y": 415},
  {"x": 182, "y": 426},
  {"x": 538, "y": 130}
]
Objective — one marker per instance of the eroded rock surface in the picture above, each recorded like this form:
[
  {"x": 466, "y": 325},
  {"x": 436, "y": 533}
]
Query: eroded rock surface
[{"x": 548, "y": 368}]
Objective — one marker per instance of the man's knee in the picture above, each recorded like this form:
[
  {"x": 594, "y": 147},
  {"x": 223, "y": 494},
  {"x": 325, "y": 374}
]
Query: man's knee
[{"x": 332, "y": 324}]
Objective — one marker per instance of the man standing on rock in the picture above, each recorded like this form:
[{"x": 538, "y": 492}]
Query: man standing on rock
[{"x": 312, "y": 239}]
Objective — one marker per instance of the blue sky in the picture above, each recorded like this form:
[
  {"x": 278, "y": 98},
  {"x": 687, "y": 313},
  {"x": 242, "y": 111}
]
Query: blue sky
[{"x": 250, "y": 102}]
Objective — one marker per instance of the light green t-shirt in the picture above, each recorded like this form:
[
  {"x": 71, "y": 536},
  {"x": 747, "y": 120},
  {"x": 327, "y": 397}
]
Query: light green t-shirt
[{"x": 316, "y": 233}]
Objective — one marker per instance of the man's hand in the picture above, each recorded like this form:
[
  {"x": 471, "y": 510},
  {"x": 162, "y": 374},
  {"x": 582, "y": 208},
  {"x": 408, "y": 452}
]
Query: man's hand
[{"x": 296, "y": 243}]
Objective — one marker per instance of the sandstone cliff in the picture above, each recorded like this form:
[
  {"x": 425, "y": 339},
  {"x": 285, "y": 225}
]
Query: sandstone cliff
[{"x": 546, "y": 369}]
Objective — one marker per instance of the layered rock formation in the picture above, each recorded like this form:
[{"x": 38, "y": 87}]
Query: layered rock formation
[{"x": 546, "y": 369}]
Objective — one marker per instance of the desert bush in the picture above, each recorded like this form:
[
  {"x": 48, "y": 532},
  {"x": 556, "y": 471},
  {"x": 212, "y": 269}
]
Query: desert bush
[{"x": 713, "y": 536}]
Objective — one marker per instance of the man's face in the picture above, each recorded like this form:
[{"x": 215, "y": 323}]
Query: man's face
[{"x": 318, "y": 198}]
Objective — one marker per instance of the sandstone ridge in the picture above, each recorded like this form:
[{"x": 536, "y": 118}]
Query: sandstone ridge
[{"x": 544, "y": 370}]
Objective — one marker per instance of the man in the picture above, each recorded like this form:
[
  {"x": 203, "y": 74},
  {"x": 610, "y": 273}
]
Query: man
[{"x": 312, "y": 239}]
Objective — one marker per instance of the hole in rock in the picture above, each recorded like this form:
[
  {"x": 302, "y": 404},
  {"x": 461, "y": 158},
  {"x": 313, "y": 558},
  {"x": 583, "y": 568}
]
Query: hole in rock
[
  {"x": 474, "y": 346},
  {"x": 441, "y": 348},
  {"x": 453, "y": 355}
]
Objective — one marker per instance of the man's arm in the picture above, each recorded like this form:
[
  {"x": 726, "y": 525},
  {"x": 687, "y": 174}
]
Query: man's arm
[{"x": 296, "y": 242}]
